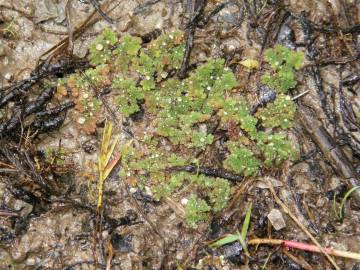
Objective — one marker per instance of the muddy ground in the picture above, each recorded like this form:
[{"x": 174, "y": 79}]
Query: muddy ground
[{"x": 56, "y": 232}]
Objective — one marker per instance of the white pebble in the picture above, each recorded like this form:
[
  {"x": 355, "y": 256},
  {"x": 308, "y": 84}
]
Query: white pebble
[
  {"x": 132, "y": 190},
  {"x": 99, "y": 47},
  {"x": 184, "y": 201},
  {"x": 276, "y": 219},
  {"x": 81, "y": 120}
]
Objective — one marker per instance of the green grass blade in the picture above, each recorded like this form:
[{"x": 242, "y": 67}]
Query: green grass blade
[
  {"x": 225, "y": 240},
  {"x": 237, "y": 237},
  {"x": 243, "y": 244},
  {"x": 244, "y": 230},
  {"x": 263, "y": 267},
  {"x": 110, "y": 152},
  {"x": 246, "y": 223},
  {"x": 341, "y": 207},
  {"x": 334, "y": 206}
]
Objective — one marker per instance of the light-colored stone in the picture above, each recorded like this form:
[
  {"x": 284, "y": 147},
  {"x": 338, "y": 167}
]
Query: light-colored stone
[
  {"x": 276, "y": 219},
  {"x": 262, "y": 183},
  {"x": 184, "y": 201}
]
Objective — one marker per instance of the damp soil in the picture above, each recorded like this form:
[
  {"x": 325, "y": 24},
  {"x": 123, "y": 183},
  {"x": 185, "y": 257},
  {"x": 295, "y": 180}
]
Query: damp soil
[{"x": 47, "y": 209}]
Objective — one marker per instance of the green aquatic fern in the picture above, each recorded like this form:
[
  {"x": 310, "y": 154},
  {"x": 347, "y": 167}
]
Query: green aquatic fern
[
  {"x": 128, "y": 46},
  {"x": 185, "y": 118},
  {"x": 100, "y": 48},
  {"x": 279, "y": 113},
  {"x": 128, "y": 95},
  {"x": 180, "y": 105},
  {"x": 201, "y": 139},
  {"x": 125, "y": 53},
  {"x": 219, "y": 194},
  {"x": 175, "y": 182},
  {"x": 281, "y": 56},
  {"x": 284, "y": 62},
  {"x": 276, "y": 149},
  {"x": 233, "y": 110},
  {"x": 242, "y": 161},
  {"x": 148, "y": 65},
  {"x": 197, "y": 210},
  {"x": 248, "y": 124},
  {"x": 162, "y": 55}
]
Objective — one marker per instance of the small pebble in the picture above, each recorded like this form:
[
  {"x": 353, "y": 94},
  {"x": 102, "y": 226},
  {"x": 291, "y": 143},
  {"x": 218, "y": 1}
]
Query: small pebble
[
  {"x": 99, "y": 47},
  {"x": 184, "y": 201},
  {"x": 8, "y": 76},
  {"x": 132, "y": 190},
  {"x": 148, "y": 191},
  {"x": 277, "y": 220},
  {"x": 81, "y": 120}
]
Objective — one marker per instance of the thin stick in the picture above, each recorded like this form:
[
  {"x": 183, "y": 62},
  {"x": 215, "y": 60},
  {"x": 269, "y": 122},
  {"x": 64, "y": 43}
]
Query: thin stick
[
  {"x": 300, "y": 95},
  {"x": 300, "y": 261},
  {"x": 7, "y": 165},
  {"x": 5, "y": 213},
  {"x": 77, "y": 30},
  {"x": 302, "y": 227},
  {"x": 305, "y": 247},
  {"x": 69, "y": 27},
  {"x": 98, "y": 9}
]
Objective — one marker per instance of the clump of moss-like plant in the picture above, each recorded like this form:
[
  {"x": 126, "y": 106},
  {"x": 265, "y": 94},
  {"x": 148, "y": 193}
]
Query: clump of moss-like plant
[
  {"x": 180, "y": 117},
  {"x": 283, "y": 62}
]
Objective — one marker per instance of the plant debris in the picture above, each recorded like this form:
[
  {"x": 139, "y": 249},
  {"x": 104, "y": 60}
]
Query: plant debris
[{"x": 179, "y": 135}]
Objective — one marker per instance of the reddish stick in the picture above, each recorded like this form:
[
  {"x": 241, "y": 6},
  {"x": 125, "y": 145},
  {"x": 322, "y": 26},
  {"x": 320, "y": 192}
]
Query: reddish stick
[{"x": 305, "y": 247}]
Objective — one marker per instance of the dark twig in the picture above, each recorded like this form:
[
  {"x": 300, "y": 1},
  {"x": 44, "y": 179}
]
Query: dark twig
[
  {"x": 190, "y": 32},
  {"x": 332, "y": 152},
  {"x": 47, "y": 125},
  {"x": 146, "y": 38},
  {"x": 209, "y": 172},
  {"x": 326, "y": 29},
  {"x": 23, "y": 163},
  {"x": 52, "y": 118},
  {"x": 143, "y": 7},
  {"x": 333, "y": 61},
  {"x": 110, "y": 223},
  {"x": 69, "y": 26},
  {"x": 36, "y": 105},
  {"x": 30, "y": 108},
  {"x": 347, "y": 114},
  {"x": 57, "y": 110},
  {"x": 188, "y": 48},
  {"x": 98, "y": 9},
  {"x": 21, "y": 88},
  {"x": 198, "y": 14},
  {"x": 315, "y": 70},
  {"x": 351, "y": 18},
  {"x": 351, "y": 79},
  {"x": 270, "y": 27},
  {"x": 212, "y": 13}
]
